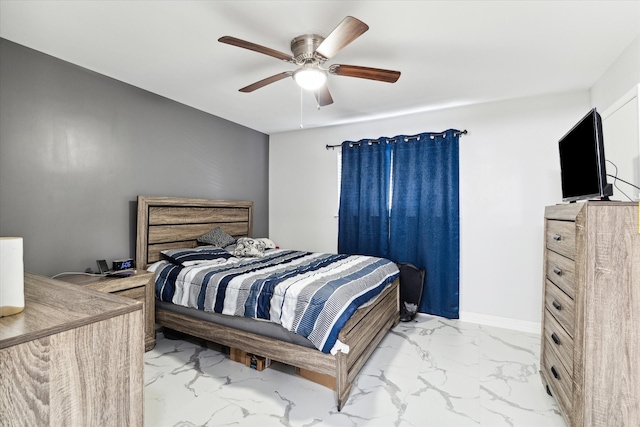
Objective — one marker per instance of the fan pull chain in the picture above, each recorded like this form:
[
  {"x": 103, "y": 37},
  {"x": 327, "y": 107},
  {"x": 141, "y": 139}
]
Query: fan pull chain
[{"x": 301, "y": 126}]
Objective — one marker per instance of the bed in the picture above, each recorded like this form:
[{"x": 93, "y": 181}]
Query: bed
[{"x": 167, "y": 223}]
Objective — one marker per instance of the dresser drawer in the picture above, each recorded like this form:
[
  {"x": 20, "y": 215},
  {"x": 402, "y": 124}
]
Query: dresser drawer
[
  {"x": 560, "y": 305},
  {"x": 558, "y": 340},
  {"x": 561, "y": 271},
  {"x": 561, "y": 237},
  {"x": 558, "y": 379}
]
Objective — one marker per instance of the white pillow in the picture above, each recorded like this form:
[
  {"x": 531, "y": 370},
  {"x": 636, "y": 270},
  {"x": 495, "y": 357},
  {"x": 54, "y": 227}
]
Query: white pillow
[
  {"x": 268, "y": 244},
  {"x": 248, "y": 247}
]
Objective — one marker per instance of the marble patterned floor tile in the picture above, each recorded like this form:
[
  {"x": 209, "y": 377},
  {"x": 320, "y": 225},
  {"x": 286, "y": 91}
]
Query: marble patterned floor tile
[{"x": 429, "y": 372}]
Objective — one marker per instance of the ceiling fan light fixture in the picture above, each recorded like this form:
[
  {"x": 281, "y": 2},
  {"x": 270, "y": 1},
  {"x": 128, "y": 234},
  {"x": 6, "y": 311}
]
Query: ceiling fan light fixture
[{"x": 310, "y": 78}]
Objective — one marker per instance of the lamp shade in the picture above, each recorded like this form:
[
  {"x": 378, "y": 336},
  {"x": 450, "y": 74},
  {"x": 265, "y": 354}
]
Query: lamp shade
[
  {"x": 11, "y": 276},
  {"x": 310, "y": 78}
]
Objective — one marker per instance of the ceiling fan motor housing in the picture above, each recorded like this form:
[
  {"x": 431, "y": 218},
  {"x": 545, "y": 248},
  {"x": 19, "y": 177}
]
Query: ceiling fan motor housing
[{"x": 304, "y": 48}]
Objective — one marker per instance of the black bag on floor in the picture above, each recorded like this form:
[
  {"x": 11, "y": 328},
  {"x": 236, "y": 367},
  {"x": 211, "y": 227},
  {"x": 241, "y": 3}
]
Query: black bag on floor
[{"x": 411, "y": 283}]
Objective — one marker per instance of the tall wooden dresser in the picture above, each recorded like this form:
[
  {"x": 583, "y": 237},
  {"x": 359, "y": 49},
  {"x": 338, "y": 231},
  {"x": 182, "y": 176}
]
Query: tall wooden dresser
[{"x": 590, "y": 356}]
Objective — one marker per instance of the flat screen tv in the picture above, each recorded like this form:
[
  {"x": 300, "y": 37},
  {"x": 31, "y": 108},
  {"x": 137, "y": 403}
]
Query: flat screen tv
[{"x": 582, "y": 162}]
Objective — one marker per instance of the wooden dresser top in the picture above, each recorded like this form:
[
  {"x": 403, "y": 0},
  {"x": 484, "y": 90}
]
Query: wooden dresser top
[
  {"x": 569, "y": 211},
  {"x": 53, "y": 306}
]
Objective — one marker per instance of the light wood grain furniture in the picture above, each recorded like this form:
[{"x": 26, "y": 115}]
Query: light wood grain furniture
[
  {"x": 171, "y": 223},
  {"x": 138, "y": 286},
  {"x": 73, "y": 357},
  {"x": 590, "y": 359}
]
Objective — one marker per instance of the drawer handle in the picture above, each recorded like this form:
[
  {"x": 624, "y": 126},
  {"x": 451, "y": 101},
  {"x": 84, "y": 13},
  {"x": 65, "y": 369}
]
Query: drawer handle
[
  {"x": 557, "y": 237},
  {"x": 557, "y": 270},
  {"x": 555, "y": 338},
  {"x": 549, "y": 391},
  {"x": 555, "y": 373},
  {"x": 556, "y": 305}
]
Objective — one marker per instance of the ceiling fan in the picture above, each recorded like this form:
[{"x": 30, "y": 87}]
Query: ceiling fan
[{"x": 310, "y": 52}]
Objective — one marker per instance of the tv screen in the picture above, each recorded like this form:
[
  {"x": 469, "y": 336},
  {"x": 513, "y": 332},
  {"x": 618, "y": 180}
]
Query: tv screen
[{"x": 582, "y": 162}]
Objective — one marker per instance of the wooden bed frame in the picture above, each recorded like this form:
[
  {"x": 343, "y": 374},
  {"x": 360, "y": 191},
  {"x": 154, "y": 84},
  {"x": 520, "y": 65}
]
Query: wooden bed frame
[{"x": 171, "y": 223}]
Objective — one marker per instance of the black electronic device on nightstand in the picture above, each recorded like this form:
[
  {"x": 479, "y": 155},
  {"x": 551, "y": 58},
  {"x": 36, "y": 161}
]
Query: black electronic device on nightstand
[
  {"x": 123, "y": 264},
  {"x": 102, "y": 266}
]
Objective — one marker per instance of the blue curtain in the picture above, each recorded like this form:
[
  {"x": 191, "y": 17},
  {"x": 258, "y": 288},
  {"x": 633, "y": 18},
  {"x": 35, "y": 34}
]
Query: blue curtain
[
  {"x": 420, "y": 224},
  {"x": 363, "y": 225},
  {"x": 425, "y": 216}
]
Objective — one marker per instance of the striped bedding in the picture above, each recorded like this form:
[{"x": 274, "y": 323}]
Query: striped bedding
[{"x": 311, "y": 294}]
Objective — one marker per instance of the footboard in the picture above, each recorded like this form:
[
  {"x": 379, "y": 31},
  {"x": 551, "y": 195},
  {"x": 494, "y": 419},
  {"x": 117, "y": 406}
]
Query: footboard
[
  {"x": 291, "y": 354},
  {"x": 362, "y": 333}
]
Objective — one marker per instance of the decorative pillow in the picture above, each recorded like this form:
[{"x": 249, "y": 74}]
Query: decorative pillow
[
  {"x": 194, "y": 256},
  {"x": 268, "y": 244},
  {"x": 248, "y": 247},
  {"x": 217, "y": 237}
]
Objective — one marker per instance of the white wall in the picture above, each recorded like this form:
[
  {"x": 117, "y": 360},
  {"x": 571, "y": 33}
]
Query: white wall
[
  {"x": 509, "y": 170},
  {"x": 620, "y": 78},
  {"x": 615, "y": 95},
  {"x": 621, "y": 128}
]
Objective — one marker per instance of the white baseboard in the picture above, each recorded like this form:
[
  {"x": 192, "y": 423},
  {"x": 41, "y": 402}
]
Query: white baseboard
[{"x": 501, "y": 322}]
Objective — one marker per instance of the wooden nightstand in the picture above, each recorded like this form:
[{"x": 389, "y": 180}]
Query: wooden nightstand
[{"x": 138, "y": 286}]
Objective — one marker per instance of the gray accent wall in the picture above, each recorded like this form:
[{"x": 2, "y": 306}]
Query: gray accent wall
[{"x": 77, "y": 148}]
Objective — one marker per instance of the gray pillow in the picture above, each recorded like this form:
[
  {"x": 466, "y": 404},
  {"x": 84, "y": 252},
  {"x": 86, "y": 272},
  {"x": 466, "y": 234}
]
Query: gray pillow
[{"x": 217, "y": 237}]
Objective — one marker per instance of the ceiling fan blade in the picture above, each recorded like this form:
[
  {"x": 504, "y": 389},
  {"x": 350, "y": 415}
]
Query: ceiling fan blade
[
  {"x": 264, "y": 82},
  {"x": 323, "y": 96},
  {"x": 347, "y": 31},
  {"x": 256, "y": 48},
  {"x": 379, "y": 74}
]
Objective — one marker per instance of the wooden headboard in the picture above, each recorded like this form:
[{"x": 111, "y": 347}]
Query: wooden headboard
[{"x": 172, "y": 223}]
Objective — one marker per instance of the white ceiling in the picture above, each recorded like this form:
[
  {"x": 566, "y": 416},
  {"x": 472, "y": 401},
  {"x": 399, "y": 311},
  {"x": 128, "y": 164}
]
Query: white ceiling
[{"x": 449, "y": 52}]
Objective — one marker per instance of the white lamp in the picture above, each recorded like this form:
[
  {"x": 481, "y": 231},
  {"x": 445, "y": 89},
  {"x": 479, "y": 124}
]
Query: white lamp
[
  {"x": 11, "y": 276},
  {"x": 310, "y": 77}
]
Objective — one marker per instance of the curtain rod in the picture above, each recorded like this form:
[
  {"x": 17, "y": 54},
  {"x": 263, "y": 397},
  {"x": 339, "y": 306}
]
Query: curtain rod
[{"x": 375, "y": 141}]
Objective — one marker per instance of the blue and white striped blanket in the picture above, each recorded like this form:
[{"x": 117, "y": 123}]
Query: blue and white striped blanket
[{"x": 311, "y": 294}]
